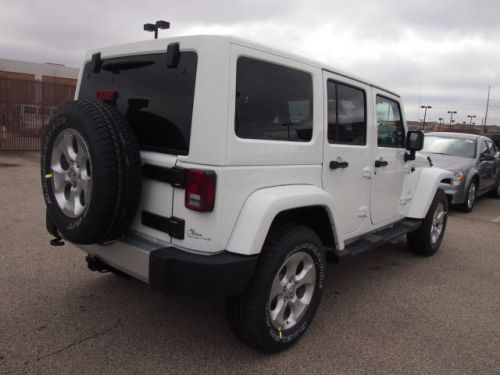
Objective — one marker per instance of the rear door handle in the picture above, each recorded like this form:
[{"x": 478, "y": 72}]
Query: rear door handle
[
  {"x": 380, "y": 163},
  {"x": 338, "y": 164}
]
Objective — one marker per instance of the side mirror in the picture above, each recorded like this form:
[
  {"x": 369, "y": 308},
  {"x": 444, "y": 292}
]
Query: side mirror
[
  {"x": 414, "y": 140},
  {"x": 414, "y": 143}
]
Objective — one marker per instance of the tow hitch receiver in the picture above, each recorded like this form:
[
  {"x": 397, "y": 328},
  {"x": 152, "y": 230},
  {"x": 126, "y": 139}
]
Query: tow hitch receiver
[{"x": 95, "y": 264}]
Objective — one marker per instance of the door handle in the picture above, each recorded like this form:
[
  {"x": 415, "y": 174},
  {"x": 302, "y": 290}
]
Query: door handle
[
  {"x": 338, "y": 164},
  {"x": 380, "y": 163}
]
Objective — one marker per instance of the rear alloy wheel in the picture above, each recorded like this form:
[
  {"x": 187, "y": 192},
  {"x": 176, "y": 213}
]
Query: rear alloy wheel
[
  {"x": 285, "y": 292},
  {"x": 292, "y": 291},
  {"x": 470, "y": 198}
]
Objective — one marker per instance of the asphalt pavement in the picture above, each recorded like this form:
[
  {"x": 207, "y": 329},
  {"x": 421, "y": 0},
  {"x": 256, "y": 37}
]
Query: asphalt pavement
[{"x": 386, "y": 311}]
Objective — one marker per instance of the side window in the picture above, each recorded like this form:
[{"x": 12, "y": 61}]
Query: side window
[
  {"x": 390, "y": 128},
  {"x": 491, "y": 148},
  {"x": 346, "y": 114},
  {"x": 483, "y": 149},
  {"x": 273, "y": 102}
]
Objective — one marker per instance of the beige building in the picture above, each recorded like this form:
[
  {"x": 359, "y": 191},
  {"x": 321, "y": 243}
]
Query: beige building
[{"x": 49, "y": 72}]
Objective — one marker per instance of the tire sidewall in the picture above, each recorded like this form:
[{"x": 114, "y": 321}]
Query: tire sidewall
[
  {"x": 273, "y": 336},
  {"x": 466, "y": 204},
  {"x": 439, "y": 198}
]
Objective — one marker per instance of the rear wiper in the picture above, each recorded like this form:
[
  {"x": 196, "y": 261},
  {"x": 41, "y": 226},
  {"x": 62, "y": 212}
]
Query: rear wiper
[{"x": 124, "y": 65}]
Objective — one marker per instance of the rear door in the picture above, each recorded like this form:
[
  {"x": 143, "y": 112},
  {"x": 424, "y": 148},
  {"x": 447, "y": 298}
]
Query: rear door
[
  {"x": 347, "y": 152},
  {"x": 389, "y": 164},
  {"x": 157, "y": 101}
]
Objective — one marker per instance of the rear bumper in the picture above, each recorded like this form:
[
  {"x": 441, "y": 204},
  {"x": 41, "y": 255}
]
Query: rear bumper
[{"x": 174, "y": 271}]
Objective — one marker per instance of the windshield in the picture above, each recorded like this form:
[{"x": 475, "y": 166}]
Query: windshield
[{"x": 450, "y": 146}]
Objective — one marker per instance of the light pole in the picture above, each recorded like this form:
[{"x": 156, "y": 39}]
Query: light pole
[
  {"x": 441, "y": 122},
  {"x": 451, "y": 116},
  {"x": 153, "y": 27},
  {"x": 471, "y": 117},
  {"x": 426, "y": 107}
]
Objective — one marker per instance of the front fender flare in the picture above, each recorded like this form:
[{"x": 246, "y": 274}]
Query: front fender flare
[
  {"x": 262, "y": 206},
  {"x": 425, "y": 190}
]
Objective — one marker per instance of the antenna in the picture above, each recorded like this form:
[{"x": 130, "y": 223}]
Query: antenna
[{"x": 155, "y": 26}]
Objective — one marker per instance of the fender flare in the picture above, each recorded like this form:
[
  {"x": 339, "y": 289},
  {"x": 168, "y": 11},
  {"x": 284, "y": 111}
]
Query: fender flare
[
  {"x": 262, "y": 206},
  {"x": 473, "y": 172},
  {"x": 425, "y": 190}
]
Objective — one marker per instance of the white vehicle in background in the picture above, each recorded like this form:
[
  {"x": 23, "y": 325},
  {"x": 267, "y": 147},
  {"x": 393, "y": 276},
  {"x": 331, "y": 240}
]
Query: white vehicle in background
[{"x": 211, "y": 165}]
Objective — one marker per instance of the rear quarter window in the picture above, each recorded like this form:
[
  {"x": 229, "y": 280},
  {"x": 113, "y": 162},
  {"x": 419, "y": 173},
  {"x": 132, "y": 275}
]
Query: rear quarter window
[{"x": 273, "y": 102}]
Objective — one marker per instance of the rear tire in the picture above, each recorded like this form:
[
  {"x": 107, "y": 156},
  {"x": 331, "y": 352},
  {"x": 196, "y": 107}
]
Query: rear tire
[
  {"x": 495, "y": 193},
  {"x": 270, "y": 315},
  {"x": 427, "y": 239}
]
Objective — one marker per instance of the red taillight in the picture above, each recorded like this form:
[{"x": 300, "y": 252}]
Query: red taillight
[
  {"x": 200, "y": 190},
  {"x": 106, "y": 95}
]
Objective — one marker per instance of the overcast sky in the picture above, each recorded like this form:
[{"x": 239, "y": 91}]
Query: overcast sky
[{"x": 442, "y": 53}]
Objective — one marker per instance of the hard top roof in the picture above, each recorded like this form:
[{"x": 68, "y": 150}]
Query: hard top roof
[{"x": 159, "y": 44}]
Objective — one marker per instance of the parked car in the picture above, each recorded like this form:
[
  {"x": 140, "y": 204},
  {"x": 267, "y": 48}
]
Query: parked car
[
  {"x": 212, "y": 165},
  {"x": 473, "y": 160}
]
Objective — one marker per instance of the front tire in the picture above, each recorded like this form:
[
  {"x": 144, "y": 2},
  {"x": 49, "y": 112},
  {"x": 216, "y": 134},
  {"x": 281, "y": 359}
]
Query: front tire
[
  {"x": 470, "y": 197},
  {"x": 427, "y": 239},
  {"x": 285, "y": 292}
]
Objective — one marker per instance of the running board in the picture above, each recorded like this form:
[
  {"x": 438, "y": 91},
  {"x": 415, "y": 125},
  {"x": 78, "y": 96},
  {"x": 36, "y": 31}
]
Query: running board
[{"x": 373, "y": 240}]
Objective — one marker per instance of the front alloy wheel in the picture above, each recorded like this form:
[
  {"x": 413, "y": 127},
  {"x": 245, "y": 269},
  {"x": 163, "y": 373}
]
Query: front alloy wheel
[
  {"x": 427, "y": 239},
  {"x": 437, "y": 223},
  {"x": 471, "y": 197}
]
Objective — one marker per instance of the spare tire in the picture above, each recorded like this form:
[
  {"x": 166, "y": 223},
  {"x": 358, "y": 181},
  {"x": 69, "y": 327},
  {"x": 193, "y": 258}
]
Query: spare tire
[{"x": 91, "y": 172}]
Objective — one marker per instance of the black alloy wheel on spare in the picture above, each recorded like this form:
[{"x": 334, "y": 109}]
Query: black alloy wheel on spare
[{"x": 91, "y": 172}]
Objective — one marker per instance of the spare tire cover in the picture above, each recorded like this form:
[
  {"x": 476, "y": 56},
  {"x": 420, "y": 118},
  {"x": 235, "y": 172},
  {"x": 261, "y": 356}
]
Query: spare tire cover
[{"x": 91, "y": 172}]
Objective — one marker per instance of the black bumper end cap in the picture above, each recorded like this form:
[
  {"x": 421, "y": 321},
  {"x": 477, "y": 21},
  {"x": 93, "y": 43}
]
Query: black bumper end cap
[{"x": 173, "y": 271}]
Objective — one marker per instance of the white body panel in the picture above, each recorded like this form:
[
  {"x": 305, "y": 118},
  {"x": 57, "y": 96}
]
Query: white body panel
[
  {"x": 388, "y": 181},
  {"x": 350, "y": 187},
  {"x": 210, "y": 231}
]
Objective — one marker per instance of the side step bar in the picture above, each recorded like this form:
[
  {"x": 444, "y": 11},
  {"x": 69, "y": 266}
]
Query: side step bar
[{"x": 373, "y": 240}]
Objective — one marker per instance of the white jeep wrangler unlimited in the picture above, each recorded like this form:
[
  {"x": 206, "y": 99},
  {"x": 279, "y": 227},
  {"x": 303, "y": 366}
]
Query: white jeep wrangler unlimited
[{"x": 209, "y": 165}]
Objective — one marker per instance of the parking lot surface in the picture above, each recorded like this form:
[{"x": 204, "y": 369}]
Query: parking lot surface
[{"x": 385, "y": 311}]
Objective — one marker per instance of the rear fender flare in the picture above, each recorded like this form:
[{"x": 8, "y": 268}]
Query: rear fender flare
[{"x": 262, "y": 206}]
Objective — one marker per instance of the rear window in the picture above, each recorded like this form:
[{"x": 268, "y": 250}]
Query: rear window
[
  {"x": 273, "y": 102},
  {"x": 156, "y": 100}
]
